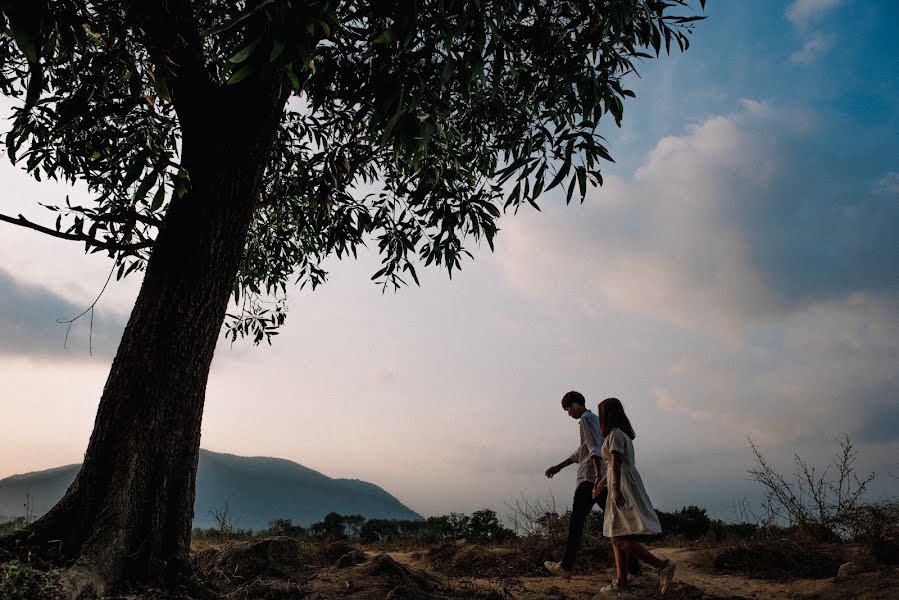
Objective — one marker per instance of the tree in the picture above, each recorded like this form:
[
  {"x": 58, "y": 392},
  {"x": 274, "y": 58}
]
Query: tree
[{"x": 227, "y": 146}]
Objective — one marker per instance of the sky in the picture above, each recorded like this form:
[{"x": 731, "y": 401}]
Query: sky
[{"x": 736, "y": 277}]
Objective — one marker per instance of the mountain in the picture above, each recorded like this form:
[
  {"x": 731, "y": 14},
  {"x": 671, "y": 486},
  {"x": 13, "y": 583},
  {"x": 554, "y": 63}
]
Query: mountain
[{"x": 258, "y": 490}]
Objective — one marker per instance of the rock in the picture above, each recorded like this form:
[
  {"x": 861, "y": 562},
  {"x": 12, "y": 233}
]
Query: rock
[
  {"x": 354, "y": 557},
  {"x": 386, "y": 569},
  {"x": 337, "y": 550},
  {"x": 849, "y": 569}
]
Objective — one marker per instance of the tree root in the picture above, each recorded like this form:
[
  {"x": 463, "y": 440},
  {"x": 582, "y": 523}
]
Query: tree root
[{"x": 80, "y": 582}]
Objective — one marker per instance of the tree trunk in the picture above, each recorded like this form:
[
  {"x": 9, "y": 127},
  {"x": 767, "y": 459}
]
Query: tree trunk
[{"x": 127, "y": 517}]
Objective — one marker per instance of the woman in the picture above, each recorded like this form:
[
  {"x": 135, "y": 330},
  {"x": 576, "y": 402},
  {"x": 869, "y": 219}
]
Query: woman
[{"x": 628, "y": 511}]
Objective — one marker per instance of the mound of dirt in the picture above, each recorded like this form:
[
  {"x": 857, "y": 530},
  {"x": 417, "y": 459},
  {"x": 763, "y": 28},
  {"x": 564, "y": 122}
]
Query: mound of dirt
[
  {"x": 236, "y": 563},
  {"x": 381, "y": 577},
  {"x": 523, "y": 558},
  {"x": 779, "y": 559}
]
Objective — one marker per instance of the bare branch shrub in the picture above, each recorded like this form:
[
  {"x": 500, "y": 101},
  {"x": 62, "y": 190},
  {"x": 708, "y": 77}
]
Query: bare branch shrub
[
  {"x": 225, "y": 523},
  {"x": 822, "y": 505},
  {"x": 537, "y": 518}
]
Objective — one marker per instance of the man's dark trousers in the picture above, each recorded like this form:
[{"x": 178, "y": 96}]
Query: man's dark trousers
[{"x": 580, "y": 509}]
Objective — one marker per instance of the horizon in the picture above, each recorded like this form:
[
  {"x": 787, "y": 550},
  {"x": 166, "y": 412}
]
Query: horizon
[{"x": 736, "y": 276}]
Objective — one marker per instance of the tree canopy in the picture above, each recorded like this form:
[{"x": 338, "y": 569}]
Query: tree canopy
[
  {"x": 230, "y": 147},
  {"x": 411, "y": 126}
]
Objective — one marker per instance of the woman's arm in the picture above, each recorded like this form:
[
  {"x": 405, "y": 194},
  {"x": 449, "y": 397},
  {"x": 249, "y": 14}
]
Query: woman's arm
[
  {"x": 617, "y": 497},
  {"x": 597, "y": 487}
]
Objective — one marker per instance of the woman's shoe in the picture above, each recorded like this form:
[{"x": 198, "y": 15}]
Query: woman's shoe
[
  {"x": 614, "y": 586},
  {"x": 666, "y": 574}
]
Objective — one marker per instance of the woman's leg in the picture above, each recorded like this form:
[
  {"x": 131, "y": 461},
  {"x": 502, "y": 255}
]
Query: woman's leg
[
  {"x": 635, "y": 548},
  {"x": 620, "y": 561}
]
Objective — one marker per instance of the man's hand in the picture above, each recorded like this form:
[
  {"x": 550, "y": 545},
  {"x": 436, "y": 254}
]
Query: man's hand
[
  {"x": 552, "y": 471},
  {"x": 598, "y": 487}
]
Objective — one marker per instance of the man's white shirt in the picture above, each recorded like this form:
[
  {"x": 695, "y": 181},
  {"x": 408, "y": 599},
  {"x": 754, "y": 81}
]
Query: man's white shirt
[{"x": 591, "y": 443}]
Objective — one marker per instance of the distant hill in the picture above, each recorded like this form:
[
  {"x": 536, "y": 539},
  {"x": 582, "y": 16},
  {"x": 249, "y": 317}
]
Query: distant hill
[{"x": 258, "y": 490}]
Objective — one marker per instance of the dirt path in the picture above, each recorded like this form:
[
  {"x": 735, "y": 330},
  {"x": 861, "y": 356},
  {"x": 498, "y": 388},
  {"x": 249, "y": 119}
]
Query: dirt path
[
  {"x": 693, "y": 568},
  {"x": 693, "y": 580}
]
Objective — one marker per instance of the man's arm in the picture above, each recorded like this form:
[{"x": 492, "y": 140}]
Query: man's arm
[
  {"x": 556, "y": 468},
  {"x": 594, "y": 440}
]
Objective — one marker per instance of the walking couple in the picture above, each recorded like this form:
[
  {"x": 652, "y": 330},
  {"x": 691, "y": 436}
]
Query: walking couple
[{"x": 605, "y": 460}]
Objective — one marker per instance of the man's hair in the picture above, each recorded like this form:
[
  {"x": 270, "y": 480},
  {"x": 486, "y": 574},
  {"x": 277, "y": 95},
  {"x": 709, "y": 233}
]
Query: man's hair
[
  {"x": 573, "y": 398},
  {"x": 611, "y": 416}
]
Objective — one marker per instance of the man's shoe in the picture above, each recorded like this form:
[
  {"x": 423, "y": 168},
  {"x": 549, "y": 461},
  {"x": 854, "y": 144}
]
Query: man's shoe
[
  {"x": 557, "y": 569},
  {"x": 666, "y": 574}
]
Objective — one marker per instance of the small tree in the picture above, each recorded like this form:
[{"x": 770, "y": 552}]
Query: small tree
[
  {"x": 225, "y": 146},
  {"x": 484, "y": 527},
  {"x": 285, "y": 527}
]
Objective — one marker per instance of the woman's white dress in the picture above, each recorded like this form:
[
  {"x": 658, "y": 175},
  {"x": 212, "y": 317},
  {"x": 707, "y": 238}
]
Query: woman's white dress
[{"x": 636, "y": 517}]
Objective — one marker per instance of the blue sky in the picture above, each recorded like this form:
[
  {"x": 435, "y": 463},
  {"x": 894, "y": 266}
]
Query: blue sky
[{"x": 738, "y": 275}]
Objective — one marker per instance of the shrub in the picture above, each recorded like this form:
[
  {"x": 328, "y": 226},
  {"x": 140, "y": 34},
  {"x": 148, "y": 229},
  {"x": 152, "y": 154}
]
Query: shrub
[
  {"x": 821, "y": 506},
  {"x": 690, "y": 522},
  {"x": 779, "y": 558},
  {"x": 284, "y": 527},
  {"x": 20, "y": 581},
  {"x": 731, "y": 532},
  {"x": 12, "y": 526},
  {"x": 876, "y": 525}
]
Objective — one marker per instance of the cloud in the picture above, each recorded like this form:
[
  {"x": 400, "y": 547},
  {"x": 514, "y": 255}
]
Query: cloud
[
  {"x": 743, "y": 219},
  {"x": 889, "y": 184},
  {"x": 801, "y": 12},
  {"x": 765, "y": 267},
  {"x": 815, "y": 45},
  {"x": 29, "y": 327}
]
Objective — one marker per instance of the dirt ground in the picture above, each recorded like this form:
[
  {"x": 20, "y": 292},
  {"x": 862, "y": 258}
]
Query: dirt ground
[
  {"x": 285, "y": 568},
  {"x": 693, "y": 579}
]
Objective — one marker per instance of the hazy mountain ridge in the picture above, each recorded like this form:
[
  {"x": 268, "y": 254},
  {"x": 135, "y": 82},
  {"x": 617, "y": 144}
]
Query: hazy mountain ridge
[{"x": 257, "y": 489}]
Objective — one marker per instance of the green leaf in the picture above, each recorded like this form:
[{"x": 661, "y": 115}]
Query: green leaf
[
  {"x": 561, "y": 174},
  {"x": 221, "y": 28},
  {"x": 294, "y": 80},
  {"x": 158, "y": 198},
  {"x": 385, "y": 37},
  {"x": 582, "y": 180},
  {"x": 277, "y": 48},
  {"x": 162, "y": 88},
  {"x": 241, "y": 74},
  {"x": 26, "y": 36},
  {"x": 245, "y": 52},
  {"x": 144, "y": 187}
]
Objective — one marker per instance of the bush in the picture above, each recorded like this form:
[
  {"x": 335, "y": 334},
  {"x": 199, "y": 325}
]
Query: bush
[
  {"x": 20, "y": 581},
  {"x": 876, "y": 525},
  {"x": 778, "y": 558},
  {"x": 690, "y": 522},
  {"x": 12, "y": 526},
  {"x": 731, "y": 532},
  {"x": 283, "y": 527}
]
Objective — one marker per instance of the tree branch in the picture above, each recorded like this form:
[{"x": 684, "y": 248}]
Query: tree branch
[{"x": 77, "y": 237}]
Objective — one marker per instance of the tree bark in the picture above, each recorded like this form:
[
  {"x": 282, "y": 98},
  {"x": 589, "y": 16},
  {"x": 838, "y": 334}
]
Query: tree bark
[{"x": 127, "y": 516}]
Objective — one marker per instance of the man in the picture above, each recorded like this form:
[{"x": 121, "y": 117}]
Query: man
[{"x": 590, "y": 468}]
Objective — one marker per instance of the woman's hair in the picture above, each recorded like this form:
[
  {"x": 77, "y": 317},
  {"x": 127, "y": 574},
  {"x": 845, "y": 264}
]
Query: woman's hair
[
  {"x": 573, "y": 398},
  {"x": 611, "y": 415}
]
